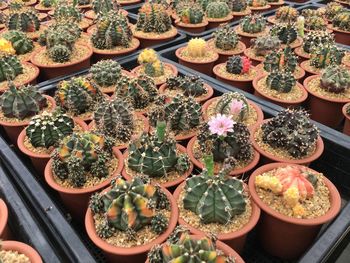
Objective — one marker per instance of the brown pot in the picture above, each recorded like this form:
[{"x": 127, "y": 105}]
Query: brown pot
[
  {"x": 203, "y": 67},
  {"x": 255, "y": 60},
  {"x": 41, "y": 8},
  {"x": 346, "y": 129},
  {"x": 76, "y": 199},
  {"x": 283, "y": 103},
  {"x": 344, "y": 3},
  {"x": 275, "y": 5},
  {"x": 56, "y": 70},
  {"x": 299, "y": 74},
  {"x": 236, "y": 240},
  {"x": 302, "y": 56},
  {"x": 192, "y": 28},
  {"x": 216, "y": 22},
  {"x": 40, "y": 160},
  {"x": 267, "y": 157},
  {"x": 4, "y": 229},
  {"x": 305, "y": 65},
  {"x": 236, "y": 172},
  {"x": 128, "y": 2},
  {"x": 288, "y": 237},
  {"x": 247, "y": 37},
  {"x": 238, "y": 15},
  {"x": 225, "y": 54},
  {"x": 168, "y": 185},
  {"x": 210, "y": 92},
  {"x": 136, "y": 72},
  {"x": 340, "y": 36},
  {"x": 3, "y": 6},
  {"x": 22, "y": 248},
  {"x": 327, "y": 111},
  {"x": 13, "y": 129},
  {"x": 148, "y": 41},
  {"x": 260, "y": 9},
  {"x": 132, "y": 254},
  {"x": 30, "y": 3}
]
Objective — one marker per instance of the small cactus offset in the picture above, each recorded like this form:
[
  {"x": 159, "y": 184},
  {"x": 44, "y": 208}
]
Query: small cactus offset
[
  {"x": 190, "y": 85},
  {"x": 155, "y": 154},
  {"x": 152, "y": 66},
  {"x": 253, "y": 24},
  {"x": 257, "y": 3},
  {"x": 190, "y": 13},
  {"x": 47, "y": 129},
  {"x": 286, "y": 33},
  {"x": 342, "y": 21},
  {"x": 315, "y": 38},
  {"x": 65, "y": 11},
  {"x": 238, "y": 65},
  {"x": 10, "y": 67},
  {"x": 238, "y": 5},
  {"x": 282, "y": 59},
  {"x": 106, "y": 72},
  {"x": 332, "y": 9},
  {"x": 315, "y": 23},
  {"x": 197, "y": 48},
  {"x": 286, "y": 14},
  {"x": 153, "y": 18},
  {"x": 265, "y": 44},
  {"x": 22, "y": 102},
  {"x": 217, "y": 10},
  {"x": 24, "y": 20},
  {"x": 101, "y": 7},
  {"x": 291, "y": 130},
  {"x": 281, "y": 81},
  {"x": 233, "y": 104},
  {"x": 324, "y": 55},
  {"x": 226, "y": 38},
  {"x": 20, "y": 42},
  {"x": 335, "y": 79}
]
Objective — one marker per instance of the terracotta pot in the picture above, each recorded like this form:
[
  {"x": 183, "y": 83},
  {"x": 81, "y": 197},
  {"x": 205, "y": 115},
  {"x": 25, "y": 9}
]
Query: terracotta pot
[
  {"x": 242, "y": 84},
  {"x": 40, "y": 160},
  {"x": 236, "y": 240},
  {"x": 136, "y": 72},
  {"x": 169, "y": 185},
  {"x": 344, "y": 3},
  {"x": 124, "y": 146},
  {"x": 216, "y": 22},
  {"x": 283, "y": 103},
  {"x": 41, "y": 8},
  {"x": 56, "y": 70},
  {"x": 22, "y": 248},
  {"x": 247, "y": 37},
  {"x": 305, "y": 65},
  {"x": 76, "y": 199},
  {"x": 132, "y": 254},
  {"x": 260, "y": 9},
  {"x": 236, "y": 172},
  {"x": 259, "y": 112},
  {"x": 3, "y": 6},
  {"x": 192, "y": 28},
  {"x": 152, "y": 41},
  {"x": 129, "y": 2},
  {"x": 275, "y": 5},
  {"x": 267, "y": 157},
  {"x": 30, "y": 3},
  {"x": 340, "y": 36},
  {"x": 327, "y": 111},
  {"x": 225, "y": 54},
  {"x": 4, "y": 229},
  {"x": 238, "y": 15},
  {"x": 255, "y": 60},
  {"x": 203, "y": 67},
  {"x": 288, "y": 237},
  {"x": 210, "y": 92},
  {"x": 299, "y": 74},
  {"x": 302, "y": 56},
  {"x": 346, "y": 129},
  {"x": 13, "y": 129}
]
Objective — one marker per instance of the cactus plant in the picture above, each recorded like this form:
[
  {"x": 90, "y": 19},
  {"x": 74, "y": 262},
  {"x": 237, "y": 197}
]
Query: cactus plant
[
  {"x": 155, "y": 154},
  {"x": 190, "y": 85},
  {"x": 335, "y": 79},
  {"x": 324, "y": 55},
  {"x": 238, "y": 65},
  {"x": 332, "y": 9},
  {"x": 217, "y": 10},
  {"x": 47, "y": 3},
  {"x": 197, "y": 48},
  {"x": 282, "y": 59},
  {"x": 282, "y": 81},
  {"x": 20, "y": 42},
  {"x": 286, "y": 14},
  {"x": 253, "y": 24},
  {"x": 152, "y": 66},
  {"x": 104, "y": 6},
  {"x": 112, "y": 30},
  {"x": 153, "y": 18},
  {"x": 47, "y": 129},
  {"x": 83, "y": 2},
  {"x": 189, "y": 12},
  {"x": 315, "y": 23},
  {"x": 10, "y": 67},
  {"x": 308, "y": 12},
  {"x": 22, "y": 102},
  {"x": 233, "y": 104},
  {"x": 315, "y": 38},
  {"x": 342, "y": 21},
  {"x": 65, "y": 11},
  {"x": 226, "y": 38},
  {"x": 256, "y": 3},
  {"x": 291, "y": 130},
  {"x": 24, "y": 20},
  {"x": 237, "y": 5},
  {"x": 264, "y": 45},
  {"x": 106, "y": 72},
  {"x": 286, "y": 33}
]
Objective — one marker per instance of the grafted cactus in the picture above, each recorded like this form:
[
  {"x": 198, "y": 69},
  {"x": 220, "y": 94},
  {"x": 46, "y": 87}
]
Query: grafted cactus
[
  {"x": 24, "y": 20},
  {"x": 315, "y": 38},
  {"x": 286, "y": 33},
  {"x": 20, "y": 42},
  {"x": 23, "y": 102},
  {"x": 282, "y": 81},
  {"x": 286, "y": 14},
  {"x": 217, "y": 9},
  {"x": 335, "y": 79},
  {"x": 233, "y": 104},
  {"x": 342, "y": 20},
  {"x": 151, "y": 63},
  {"x": 265, "y": 44},
  {"x": 106, "y": 72},
  {"x": 153, "y": 18},
  {"x": 282, "y": 59},
  {"x": 238, "y": 65},
  {"x": 253, "y": 24},
  {"x": 104, "y": 6},
  {"x": 10, "y": 67},
  {"x": 237, "y": 5},
  {"x": 332, "y": 9},
  {"x": 190, "y": 12},
  {"x": 190, "y": 85},
  {"x": 325, "y": 55},
  {"x": 226, "y": 38}
]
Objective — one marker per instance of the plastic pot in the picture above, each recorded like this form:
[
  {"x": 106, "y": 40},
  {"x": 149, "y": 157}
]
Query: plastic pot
[
  {"x": 192, "y": 28},
  {"x": 340, "y": 36},
  {"x": 148, "y": 41},
  {"x": 22, "y": 248},
  {"x": 136, "y": 72},
  {"x": 346, "y": 129},
  {"x": 216, "y": 22},
  {"x": 4, "y": 229}
]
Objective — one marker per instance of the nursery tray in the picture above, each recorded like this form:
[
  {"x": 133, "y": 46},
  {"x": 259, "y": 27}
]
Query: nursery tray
[{"x": 71, "y": 236}]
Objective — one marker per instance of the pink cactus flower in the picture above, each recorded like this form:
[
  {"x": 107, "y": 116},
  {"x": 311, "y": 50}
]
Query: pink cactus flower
[
  {"x": 220, "y": 125},
  {"x": 236, "y": 107}
]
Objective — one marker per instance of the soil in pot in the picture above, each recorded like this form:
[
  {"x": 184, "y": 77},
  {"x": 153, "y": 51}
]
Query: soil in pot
[
  {"x": 13, "y": 251},
  {"x": 298, "y": 73},
  {"x": 192, "y": 28},
  {"x": 247, "y": 37},
  {"x": 169, "y": 71},
  {"x": 149, "y": 39},
  {"x": 216, "y": 22},
  {"x": 309, "y": 69},
  {"x": 4, "y": 229},
  {"x": 225, "y": 54},
  {"x": 346, "y": 113}
]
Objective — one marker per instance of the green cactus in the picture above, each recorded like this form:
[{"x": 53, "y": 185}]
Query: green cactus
[
  {"x": 226, "y": 38},
  {"x": 256, "y": 3},
  {"x": 10, "y": 67},
  {"x": 47, "y": 129},
  {"x": 24, "y": 20},
  {"x": 238, "y": 65},
  {"x": 20, "y": 42},
  {"x": 112, "y": 30},
  {"x": 281, "y": 81},
  {"x": 65, "y": 11},
  {"x": 217, "y": 10},
  {"x": 335, "y": 79},
  {"x": 23, "y": 102},
  {"x": 264, "y": 45},
  {"x": 253, "y": 24},
  {"x": 106, "y": 72},
  {"x": 83, "y": 2},
  {"x": 286, "y": 33},
  {"x": 47, "y": 3},
  {"x": 286, "y": 14},
  {"x": 190, "y": 85},
  {"x": 325, "y": 55},
  {"x": 308, "y": 12},
  {"x": 189, "y": 12},
  {"x": 282, "y": 59},
  {"x": 342, "y": 21},
  {"x": 332, "y": 9},
  {"x": 315, "y": 23},
  {"x": 153, "y": 18},
  {"x": 155, "y": 155},
  {"x": 104, "y": 6},
  {"x": 315, "y": 38},
  {"x": 237, "y": 5},
  {"x": 233, "y": 104}
]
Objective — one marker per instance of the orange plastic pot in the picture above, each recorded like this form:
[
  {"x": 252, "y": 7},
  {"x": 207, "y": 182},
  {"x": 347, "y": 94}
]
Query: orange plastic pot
[
  {"x": 192, "y": 28},
  {"x": 22, "y": 248},
  {"x": 340, "y": 36},
  {"x": 4, "y": 229},
  {"x": 216, "y": 22},
  {"x": 136, "y": 72}
]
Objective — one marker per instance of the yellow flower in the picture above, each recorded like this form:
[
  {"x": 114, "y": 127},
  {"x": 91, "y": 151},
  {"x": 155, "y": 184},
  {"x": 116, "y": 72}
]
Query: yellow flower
[
  {"x": 147, "y": 56},
  {"x": 269, "y": 182},
  {"x": 6, "y": 46},
  {"x": 291, "y": 196}
]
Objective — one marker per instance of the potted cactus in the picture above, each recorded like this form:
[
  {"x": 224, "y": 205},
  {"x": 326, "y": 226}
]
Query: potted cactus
[
  {"x": 275, "y": 4},
  {"x": 14, "y": 251},
  {"x": 238, "y": 72},
  {"x": 192, "y": 86},
  {"x": 226, "y": 43},
  {"x": 115, "y": 118},
  {"x": 222, "y": 137},
  {"x": 112, "y": 37},
  {"x": 43, "y": 133},
  {"x": 341, "y": 27},
  {"x": 345, "y": 3},
  {"x": 83, "y": 163},
  {"x": 190, "y": 17},
  {"x": 258, "y": 6},
  {"x": 197, "y": 55},
  {"x": 295, "y": 200},
  {"x": 281, "y": 88},
  {"x": 284, "y": 14},
  {"x": 346, "y": 113},
  {"x": 153, "y": 67},
  {"x": 157, "y": 155},
  {"x": 289, "y": 137},
  {"x": 261, "y": 47},
  {"x": 4, "y": 229},
  {"x": 287, "y": 34},
  {"x": 153, "y": 25},
  {"x": 217, "y": 203},
  {"x": 100, "y": 7},
  {"x": 18, "y": 105},
  {"x": 239, "y": 9},
  {"x": 129, "y": 218},
  {"x": 328, "y": 94},
  {"x": 251, "y": 26},
  {"x": 3, "y": 5},
  {"x": 45, "y": 5},
  {"x": 218, "y": 12},
  {"x": 309, "y": 12},
  {"x": 332, "y": 9},
  {"x": 315, "y": 23}
]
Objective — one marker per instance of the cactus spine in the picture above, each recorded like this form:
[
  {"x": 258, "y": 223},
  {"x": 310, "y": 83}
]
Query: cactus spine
[
  {"x": 153, "y": 18},
  {"x": 281, "y": 81},
  {"x": 10, "y": 67},
  {"x": 106, "y": 72},
  {"x": 335, "y": 79},
  {"x": 226, "y": 38}
]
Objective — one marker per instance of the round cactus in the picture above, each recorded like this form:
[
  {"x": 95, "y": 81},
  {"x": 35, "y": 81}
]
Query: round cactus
[
  {"x": 190, "y": 85},
  {"x": 315, "y": 23},
  {"x": 282, "y": 59},
  {"x": 106, "y": 72},
  {"x": 197, "y": 48},
  {"x": 10, "y": 67},
  {"x": 238, "y": 5},
  {"x": 65, "y": 11},
  {"x": 287, "y": 34},
  {"x": 151, "y": 63},
  {"x": 332, "y": 9},
  {"x": 342, "y": 20},
  {"x": 286, "y": 14},
  {"x": 253, "y": 24},
  {"x": 104, "y": 6},
  {"x": 226, "y": 38},
  {"x": 153, "y": 18},
  {"x": 325, "y": 55},
  {"x": 190, "y": 13},
  {"x": 238, "y": 65},
  {"x": 20, "y": 42},
  {"x": 217, "y": 10},
  {"x": 23, "y": 20},
  {"x": 281, "y": 81},
  {"x": 335, "y": 79},
  {"x": 233, "y": 104},
  {"x": 265, "y": 44},
  {"x": 47, "y": 3},
  {"x": 256, "y": 3},
  {"x": 308, "y": 12},
  {"x": 315, "y": 38}
]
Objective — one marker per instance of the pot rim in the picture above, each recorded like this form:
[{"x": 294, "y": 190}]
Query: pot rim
[
  {"x": 178, "y": 55},
  {"x": 117, "y": 52},
  {"x": 240, "y": 44},
  {"x": 331, "y": 27},
  {"x": 204, "y": 23},
  {"x": 252, "y": 58},
  {"x": 159, "y": 37},
  {"x": 174, "y": 69},
  {"x": 3, "y": 215},
  {"x": 303, "y": 66},
  {"x": 344, "y": 111},
  {"x": 260, "y": 68},
  {"x": 223, "y": 19},
  {"x": 22, "y": 248},
  {"x": 216, "y": 72},
  {"x": 297, "y": 51}
]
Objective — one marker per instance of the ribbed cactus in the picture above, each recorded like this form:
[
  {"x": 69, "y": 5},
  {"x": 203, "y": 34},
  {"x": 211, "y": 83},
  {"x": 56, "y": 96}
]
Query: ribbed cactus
[
  {"x": 106, "y": 72},
  {"x": 153, "y": 18},
  {"x": 10, "y": 67},
  {"x": 253, "y": 24},
  {"x": 20, "y": 42},
  {"x": 217, "y": 10},
  {"x": 24, "y": 20},
  {"x": 83, "y": 2},
  {"x": 342, "y": 20},
  {"x": 197, "y": 48},
  {"x": 104, "y": 6},
  {"x": 282, "y": 59},
  {"x": 233, "y": 104},
  {"x": 238, "y": 65},
  {"x": 264, "y": 45},
  {"x": 291, "y": 130},
  {"x": 48, "y": 129},
  {"x": 226, "y": 38},
  {"x": 282, "y": 81},
  {"x": 308, "y": 12},
  {"x": 335, "y": 79},
  {"x": 256, "y": 3},
  {"x": 286, "y": 33},
  {"x": 325, "y": 55},
  {"x": 190, "y": 13},
  {"x": 65, "y": 11},
  {"x": 152, "y": 66},
  {"x": 332, "y": 9},
  {"x": 315, "y": 23},
  {"x": 155, "y": 154},
  {"x": 22, "y": 102},
  {"x": 114, "y": 118},
  {"x": 78, "y": 95},
  {"x": 315, "y": 38},
  {"x": 286, "y": 14},
  {"x": 47, "y": 3},
  {"x": 190, "y": 85},
  {"x": 237, "y": 5},
  {"x": 112, "y": 30}
]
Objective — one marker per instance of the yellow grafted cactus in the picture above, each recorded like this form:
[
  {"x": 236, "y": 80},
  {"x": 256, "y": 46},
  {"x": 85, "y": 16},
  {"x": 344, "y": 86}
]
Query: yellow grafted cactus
[
  {"x": 291, "y": 196},
  {"x": 269, "y": 182},
  {"x": 147, "y": 56},
  {"x": 298, "y": 210},
  {"x": 152, "y": 66},
  {"x": 6, "y": 46},
  {"x": 197, "y": 47}
]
